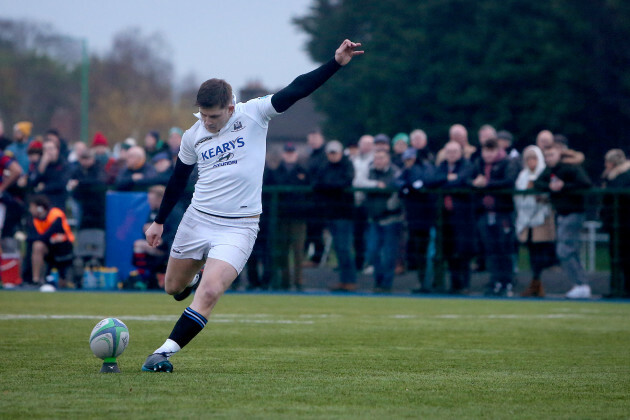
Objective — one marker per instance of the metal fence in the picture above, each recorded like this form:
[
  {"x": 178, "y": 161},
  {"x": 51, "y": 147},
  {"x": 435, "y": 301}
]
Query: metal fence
[{"x": 599, "y": 237}]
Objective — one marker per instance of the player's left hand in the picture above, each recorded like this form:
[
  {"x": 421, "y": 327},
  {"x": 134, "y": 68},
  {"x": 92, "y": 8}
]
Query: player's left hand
[{"x": 346, "y": 51}]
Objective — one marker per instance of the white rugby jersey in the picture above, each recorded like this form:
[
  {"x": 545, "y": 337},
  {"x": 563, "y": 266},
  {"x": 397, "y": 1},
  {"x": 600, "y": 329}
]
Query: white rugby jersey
[{"x": 230, "y": 162}]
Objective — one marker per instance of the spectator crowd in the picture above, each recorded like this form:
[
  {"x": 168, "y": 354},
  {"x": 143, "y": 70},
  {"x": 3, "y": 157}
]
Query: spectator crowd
[{"x": 382, "y": 206}]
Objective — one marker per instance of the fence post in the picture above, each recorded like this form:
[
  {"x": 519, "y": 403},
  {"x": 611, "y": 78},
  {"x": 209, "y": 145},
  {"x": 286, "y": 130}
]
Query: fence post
[
  {"x": 272, "y": 239},
  {"x": 615, "y": 272},
  {"x": 438, "y": 264}
]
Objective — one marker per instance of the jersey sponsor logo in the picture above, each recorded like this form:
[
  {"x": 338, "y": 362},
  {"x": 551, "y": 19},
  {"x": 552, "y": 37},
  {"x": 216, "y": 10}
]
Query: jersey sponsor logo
[
  {"x": 203, "y": 140},
  {"x": 219, "y": 150},
  {"x": 238, "y": 126},
  {"x": 230, "y": 162}
]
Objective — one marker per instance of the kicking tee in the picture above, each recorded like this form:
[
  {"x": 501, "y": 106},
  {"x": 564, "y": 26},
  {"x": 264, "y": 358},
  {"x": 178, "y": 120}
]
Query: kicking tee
[{"x": 230, "y": 162}]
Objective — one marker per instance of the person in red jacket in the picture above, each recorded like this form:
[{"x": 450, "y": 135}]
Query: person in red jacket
[{"x": 51, "y": 239}]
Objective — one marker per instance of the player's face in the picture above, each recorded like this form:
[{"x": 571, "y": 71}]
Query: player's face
[{"x": 215, "y": 118}]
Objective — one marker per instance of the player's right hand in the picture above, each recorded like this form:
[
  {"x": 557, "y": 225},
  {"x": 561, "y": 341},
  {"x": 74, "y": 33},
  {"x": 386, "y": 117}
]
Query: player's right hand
[{"x": 154, "y": 234}]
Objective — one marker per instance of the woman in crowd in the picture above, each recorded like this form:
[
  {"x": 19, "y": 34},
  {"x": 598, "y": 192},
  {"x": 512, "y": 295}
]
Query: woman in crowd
[{"x": 534, "y": 220}]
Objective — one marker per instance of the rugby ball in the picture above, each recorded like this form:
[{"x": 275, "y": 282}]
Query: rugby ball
[{"x": 109, "y": 338}]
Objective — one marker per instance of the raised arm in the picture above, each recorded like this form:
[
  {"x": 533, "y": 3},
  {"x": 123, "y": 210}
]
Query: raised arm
[{"x": 307, "y": 83}]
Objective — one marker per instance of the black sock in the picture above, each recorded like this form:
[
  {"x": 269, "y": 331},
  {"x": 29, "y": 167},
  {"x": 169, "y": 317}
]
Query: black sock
[{"x": 187, "y": 327}]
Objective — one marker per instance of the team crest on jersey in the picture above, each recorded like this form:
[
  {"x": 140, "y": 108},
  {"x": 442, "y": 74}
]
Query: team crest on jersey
[
  {"x": 238, "y": 126},
  {"x": 203, "y": 140},
  {"x": 225, "y": 157}
]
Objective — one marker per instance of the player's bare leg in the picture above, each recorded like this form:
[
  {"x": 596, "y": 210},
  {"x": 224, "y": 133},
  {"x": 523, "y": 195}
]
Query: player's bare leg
[
  {"x": 217, "y": 278},
  {"x": 179, "y": 274}
]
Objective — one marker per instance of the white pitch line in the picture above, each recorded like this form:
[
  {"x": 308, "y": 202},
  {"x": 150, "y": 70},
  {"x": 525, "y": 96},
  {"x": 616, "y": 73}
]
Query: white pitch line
[
  {"x": 511, "y": 316},
  {"x": 244, "y": 319}
]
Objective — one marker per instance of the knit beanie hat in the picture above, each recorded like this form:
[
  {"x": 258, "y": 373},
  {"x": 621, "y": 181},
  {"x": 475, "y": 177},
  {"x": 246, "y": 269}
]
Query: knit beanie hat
[
  {"x": 25, "y": 127},
  {"x": 400, "y": 136},
  {"x": 99, "y": 139}
]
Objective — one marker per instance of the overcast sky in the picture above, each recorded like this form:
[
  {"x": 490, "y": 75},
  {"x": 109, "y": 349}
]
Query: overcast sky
[{"x": 236, "y": 40}]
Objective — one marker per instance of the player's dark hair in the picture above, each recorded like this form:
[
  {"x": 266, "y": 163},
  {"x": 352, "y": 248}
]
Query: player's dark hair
[
  {"x": 214, "y": 92},
  {"x": 40, "y": 201}
]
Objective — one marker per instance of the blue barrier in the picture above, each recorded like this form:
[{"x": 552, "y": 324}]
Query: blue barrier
[{"x": 126, "y": 213}]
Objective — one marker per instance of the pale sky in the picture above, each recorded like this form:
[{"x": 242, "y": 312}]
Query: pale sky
[{"x": 236, "y": 40}]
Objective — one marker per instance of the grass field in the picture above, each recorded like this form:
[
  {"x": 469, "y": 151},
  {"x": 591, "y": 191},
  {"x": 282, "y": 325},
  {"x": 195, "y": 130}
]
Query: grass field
[{"x": 289, "y": 356}]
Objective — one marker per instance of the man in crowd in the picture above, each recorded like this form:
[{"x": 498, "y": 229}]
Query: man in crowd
[
  {"x": 459, "y": 135},
  {"x": 419, "y": 141},
  {"x": 562, "y": 180},
  {"x": 51, "y": 240},
  {"x": 137, "y": 171},
  {"x": 385, "y": 221},
  {"x": 52, "y": 134},
  {"x": 544, "y": 140},
  {"x": 419, "y": 213},
  {"x": 361, "y": 162},
  {"x": 400, "y": 143},
  {"x": 485, "y": 133},
  {"x": 174, "y": 141},
  {"x": 382, "y": 142},
  {"x": 21, "y": 137},
  {"x": 496, "y": 171},
  {"x": 458, "y": 238},
  {"x": 290, "y": 234},
  {"x": 336, "y": 206},
  {"x": 314, "y": 225},
  {"x": 88, "y": 188},
  {"x": 51, "y": 175},
  {"x": 615, "y": 209}
]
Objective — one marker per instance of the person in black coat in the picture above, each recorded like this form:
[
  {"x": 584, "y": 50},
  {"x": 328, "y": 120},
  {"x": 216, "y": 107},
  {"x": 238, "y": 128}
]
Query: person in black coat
[
  {"x": 136, "y": 172},
  {"x": 51, "y": 176},
  {"x": 419, "y": 213},
  {"x": 495, "y": 220},
  {"x": 87, "y": 186},
  {"x": 291, "y": 231},
  {"x": 458, "y": 221},
  {"x": 314, "y": 224},
  {"x": 562, "y": 180},
  {"x": 616, "y": 207},
  {"x": 335, "y": 204}
]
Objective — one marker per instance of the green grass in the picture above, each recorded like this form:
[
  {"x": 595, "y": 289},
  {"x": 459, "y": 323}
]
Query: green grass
[{"x": 273, "y": 356}]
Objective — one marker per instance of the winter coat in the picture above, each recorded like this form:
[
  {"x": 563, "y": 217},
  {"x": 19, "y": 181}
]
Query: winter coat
[
  {"x": 617, "y": 178},
  {"x": 419, "y": 206},
  {"x": 331, "y": 198},
  {"x": 574, "y": 177},
  {"x": 291, "y": 205},
  {"x": 503, "y": 174},
  {"x": 381, "y": 207},
  {"x": 457, "y": 208},
  {"x": 90, "y": 194}
]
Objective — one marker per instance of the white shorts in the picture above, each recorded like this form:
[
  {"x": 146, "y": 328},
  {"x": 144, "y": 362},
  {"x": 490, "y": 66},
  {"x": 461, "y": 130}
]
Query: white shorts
[{"x": 201, "y": 236}]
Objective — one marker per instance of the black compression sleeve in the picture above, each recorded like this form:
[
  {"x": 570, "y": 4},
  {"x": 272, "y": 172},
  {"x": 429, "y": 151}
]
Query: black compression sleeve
[
  {"x": 303, "y": 86},
  {"x": 176, "y": 185}
]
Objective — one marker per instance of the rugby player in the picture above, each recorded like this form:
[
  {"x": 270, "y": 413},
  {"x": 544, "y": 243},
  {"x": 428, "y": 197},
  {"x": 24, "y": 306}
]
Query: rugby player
[{"x": 218, "y": 230}]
